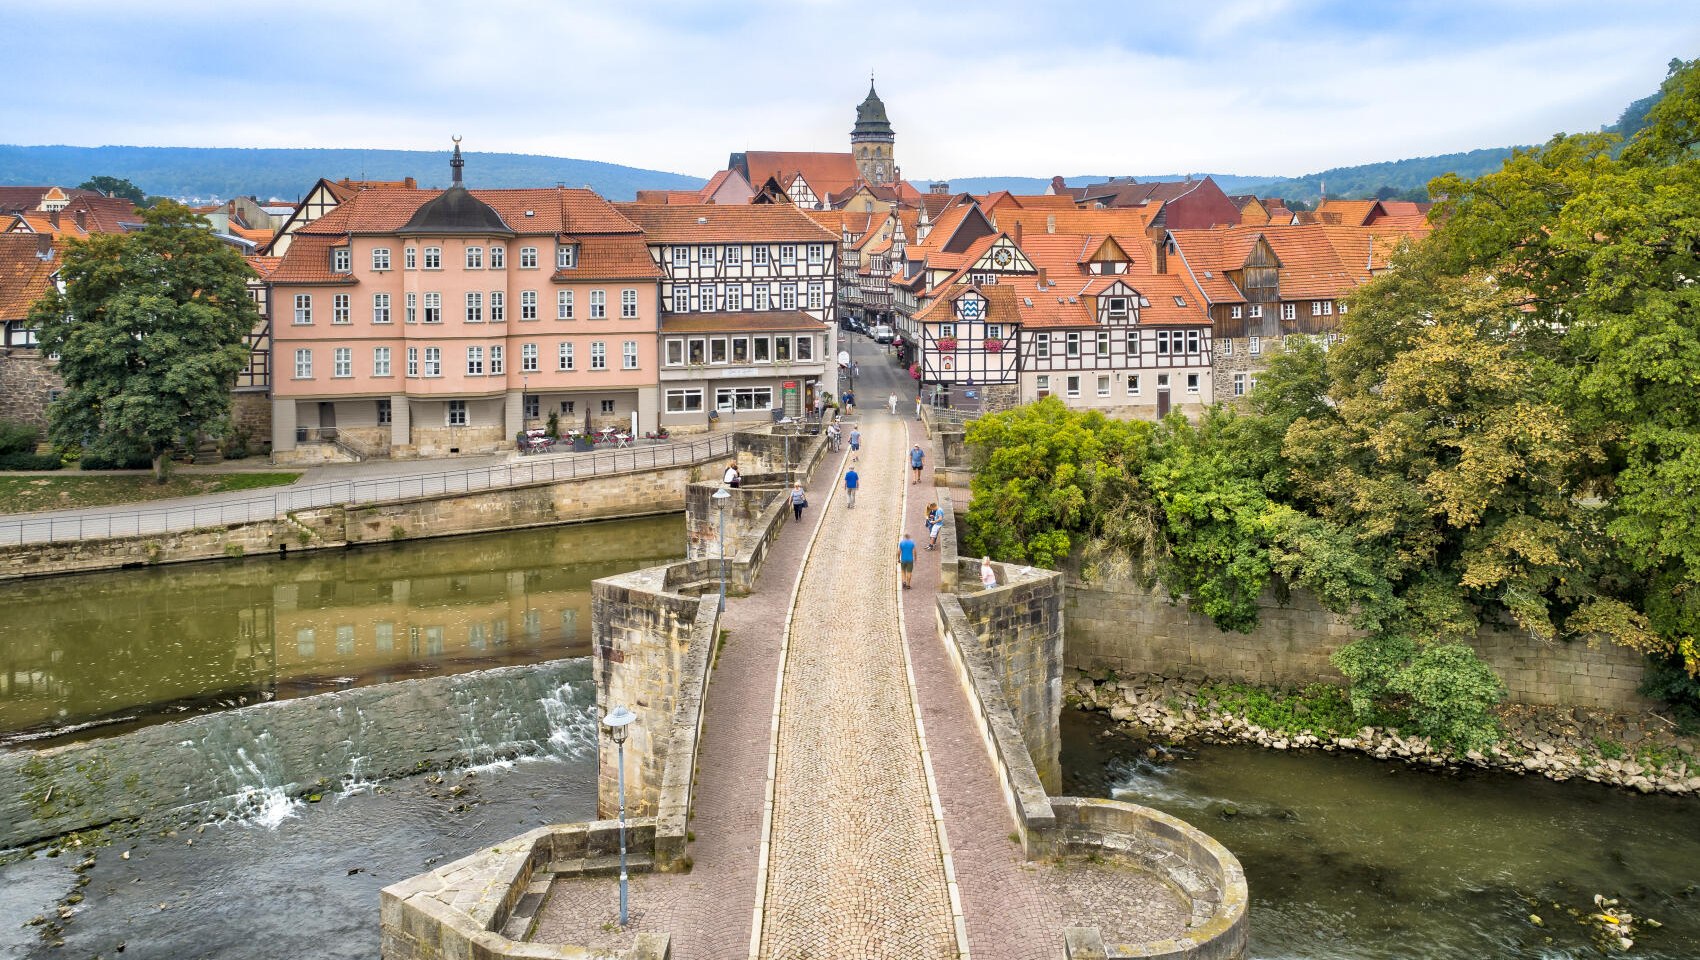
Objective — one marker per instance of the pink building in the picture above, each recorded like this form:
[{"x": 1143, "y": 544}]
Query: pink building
[{"x": 417, "y": 323}]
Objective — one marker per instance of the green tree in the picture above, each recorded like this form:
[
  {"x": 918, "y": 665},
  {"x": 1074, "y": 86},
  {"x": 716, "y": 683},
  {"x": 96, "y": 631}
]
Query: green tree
[
  {"x": 115, "y": 187},
  {"x": 149, "y": 332}
]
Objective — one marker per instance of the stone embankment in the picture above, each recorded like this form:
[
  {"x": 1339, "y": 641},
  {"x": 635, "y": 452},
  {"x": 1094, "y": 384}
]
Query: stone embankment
[{"x": 1638, "y": 753}]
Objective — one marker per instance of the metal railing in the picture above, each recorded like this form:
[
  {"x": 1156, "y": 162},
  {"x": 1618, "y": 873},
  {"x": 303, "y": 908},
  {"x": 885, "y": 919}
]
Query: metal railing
[{"x": 536, "y": 469}]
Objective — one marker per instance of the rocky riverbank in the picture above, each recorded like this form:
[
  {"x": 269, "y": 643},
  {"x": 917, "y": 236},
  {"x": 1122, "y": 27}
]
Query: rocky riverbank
[{"x": 1643, "y": 753}]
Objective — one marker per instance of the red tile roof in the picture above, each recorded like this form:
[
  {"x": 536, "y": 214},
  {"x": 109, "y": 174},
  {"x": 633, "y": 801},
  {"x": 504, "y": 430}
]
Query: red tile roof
[
  {"x": 263, "y": 267},
  {"x": 557, "y": 210},
  {"x": 612, "y": 257},
  {"x": 24, "y": 276},
  {"x": 826, "y": 173},
  {"x": 718, "y": 223}
]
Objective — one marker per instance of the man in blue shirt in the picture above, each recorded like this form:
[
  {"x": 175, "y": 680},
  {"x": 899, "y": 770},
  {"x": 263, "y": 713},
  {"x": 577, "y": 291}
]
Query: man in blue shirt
[
  {"x": 906, "y": 559},
  {"x": 915, "y": 458},
  {"x": 855, "y": 439},
  {"x": 851, "y": 479}
]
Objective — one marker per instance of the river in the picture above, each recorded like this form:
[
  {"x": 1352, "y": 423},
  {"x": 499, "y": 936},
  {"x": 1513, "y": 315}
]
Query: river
[
  {"x": 283, "y": 738},
  {"x": 1350, "y": 858}
]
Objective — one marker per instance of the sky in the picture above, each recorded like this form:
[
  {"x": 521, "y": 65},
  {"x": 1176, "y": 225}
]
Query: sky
[{"x": 994, "y": 87}]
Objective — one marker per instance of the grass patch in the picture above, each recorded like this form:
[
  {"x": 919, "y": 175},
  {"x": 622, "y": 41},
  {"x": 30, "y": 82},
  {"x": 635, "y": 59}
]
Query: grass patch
[
  {"x": 30, "y": 494},
  {"x": 1319, "y": 709}
]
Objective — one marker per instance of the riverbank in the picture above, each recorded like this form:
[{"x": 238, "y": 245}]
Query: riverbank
[{"x": 1643, "y": 753}]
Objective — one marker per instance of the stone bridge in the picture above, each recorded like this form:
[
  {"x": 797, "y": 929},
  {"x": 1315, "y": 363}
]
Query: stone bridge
[{"x": 838, "y": 765}]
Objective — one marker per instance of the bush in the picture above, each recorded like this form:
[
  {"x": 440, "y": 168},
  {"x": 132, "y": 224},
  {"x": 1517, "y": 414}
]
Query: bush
[
  {"x": 96, "y": 461},
  {"x": 1666, "y": 679},
  {"x": 29, "y": 461},
  {"x": 18, "y": 438}
]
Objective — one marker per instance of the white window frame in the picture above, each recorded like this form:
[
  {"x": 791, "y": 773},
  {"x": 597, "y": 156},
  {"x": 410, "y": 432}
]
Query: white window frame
[
  {"x": 498, "y": 257},
  {"x": 412, "y": 300},
  {"x": 681, "y": 298},
  {"x": 380, "y": 258},
  {"x": 760, "y": 255},
  {"x": 1071, "y": 386},
  {"x": 816, "y": 253},
  {"x": 498, "y": 360},
  {"x": 679, "y": 400},
  {"x": 455, "y": 414},
  {"x": 475, "y": 361},
  {"x": 564, "y": 305},
  {"x": 1239, "y": 384},
  {"x": 528, "y": 258},
  {"x": 598, "y": 355},
  {"x": 433, "y": 258},
  {"x": 342, "y": 260},
  {"x": 303, "y": 309},
  {"x": 341, "y": 312},
  {"x": 566, "y": 257},
  {"x": 564, "y": 358},
  {"x": 1133, "y": 385},
  {"x": 763, "y": 297},
  {"x": 1289, "y": 311},
  {"x": 1255, "y": 312},
  {"x": 598, "y": 304},
  {"x": 628, "y": 303},
  {"x": 787, "y": 296},
  {"x": 787, "y": 254},
  {"x": 342, "y": 362},
  {"x": 1192, "y": 382},
  {"x": 474, "y": 306},
  {"x": 528, "y": 304},
  {"x": 734, "y": 298},
  {"x": 1235, "y": 311},
  {"x": 303, "y": 364},
  {"x": 380, "y": 361},
  {"x": 474, "y": 258},
  {"x": 380, "y": 308},
  {"x": 433, "y": 361},
  {"x": 410, "y": 258},
  {"x": 413, "y": 361},
  {"x": 629, "y": 354},
  {"x": 433, "y": 307},
  {"x": 528, "y": 358},
  {"x": 498, "y": 307},
  {"x": 681, "y": 257},
  {"x": 675, "y": 352},
  {"x": 1254, "y": 345}
]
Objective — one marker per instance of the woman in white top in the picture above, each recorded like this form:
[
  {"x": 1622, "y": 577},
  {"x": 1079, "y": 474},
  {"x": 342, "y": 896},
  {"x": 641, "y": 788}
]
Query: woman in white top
[
  {"x": 988, "y": 576},
  {"x": 732, "y": 478}
]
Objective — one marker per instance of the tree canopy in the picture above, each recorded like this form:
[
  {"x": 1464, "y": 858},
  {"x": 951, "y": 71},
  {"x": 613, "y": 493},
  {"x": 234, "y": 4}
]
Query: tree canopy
[
  {"x": 149, "y": 332},
  {"x": 115, "y": 187}
]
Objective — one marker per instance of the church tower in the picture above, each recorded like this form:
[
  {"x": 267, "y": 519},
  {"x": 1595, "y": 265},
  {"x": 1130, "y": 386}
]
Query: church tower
[{"x": 871, "y": 140}]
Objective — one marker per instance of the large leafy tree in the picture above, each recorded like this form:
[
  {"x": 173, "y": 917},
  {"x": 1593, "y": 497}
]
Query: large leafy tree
[
  {"x": 115, "y": 187},
  {"x": 149, "y": 333}
]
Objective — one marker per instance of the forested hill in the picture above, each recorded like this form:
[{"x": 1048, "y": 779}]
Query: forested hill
[{"x": 223, "y": 172}]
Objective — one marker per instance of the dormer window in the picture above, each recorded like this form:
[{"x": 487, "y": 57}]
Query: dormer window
[
  {"x": 1117, "y": 307},
  {"x": 342, "y": 261},
  {"x": 566, "y": 257}
]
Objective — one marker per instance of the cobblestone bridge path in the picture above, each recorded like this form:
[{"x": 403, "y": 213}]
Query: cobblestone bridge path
[{"x": 853, "y": 850}]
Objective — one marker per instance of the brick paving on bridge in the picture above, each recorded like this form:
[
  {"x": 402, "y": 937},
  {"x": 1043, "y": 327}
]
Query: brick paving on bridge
[{"x": 856, "y": 867}]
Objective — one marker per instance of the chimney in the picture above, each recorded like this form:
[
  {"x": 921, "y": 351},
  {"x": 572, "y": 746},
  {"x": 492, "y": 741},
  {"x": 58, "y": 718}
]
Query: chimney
[
  {"x": 1018, "y": 233},
  {"x": 1044, "y": 281},
  {"x": 53, "y": 218},
  {"x": 410, "y": 183},
  {"x": 1160, "y": 254},
  {"x": 43, "y": 246},
  {"x": 83, "y": 219}
]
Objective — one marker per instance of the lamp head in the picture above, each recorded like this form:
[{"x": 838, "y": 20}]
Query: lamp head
[
  {"x": 616, "y": 720},
  {"x": 721, "y": 496}
]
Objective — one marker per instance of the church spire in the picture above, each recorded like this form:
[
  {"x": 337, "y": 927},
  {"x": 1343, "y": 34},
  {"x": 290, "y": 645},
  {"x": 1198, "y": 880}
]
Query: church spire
[{"x": 456, "y": 163}]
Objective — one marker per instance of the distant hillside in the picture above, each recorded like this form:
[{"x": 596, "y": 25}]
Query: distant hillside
[{"x": 208, "y": 173}]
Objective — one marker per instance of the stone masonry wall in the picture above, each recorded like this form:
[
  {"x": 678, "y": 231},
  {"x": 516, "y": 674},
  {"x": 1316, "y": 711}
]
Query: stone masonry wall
[
  {"x": 1124, "y": 627},
  {"x": 1021, "y": 624},
  {"x": 27, "y": 379}
]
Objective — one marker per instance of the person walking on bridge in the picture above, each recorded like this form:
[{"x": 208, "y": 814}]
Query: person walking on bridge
[
  {"x": 906, "y": 559},
  {"x": 798, "y": 501},
  {"x": 916, "y": 458},
  {"x": 855, "y": 439},
  {"x": 852, "y": 480},
  {"x": 891, "y": 404}
]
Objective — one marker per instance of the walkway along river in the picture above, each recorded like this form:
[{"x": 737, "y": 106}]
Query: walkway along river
[{"x": 405, "y": 773}]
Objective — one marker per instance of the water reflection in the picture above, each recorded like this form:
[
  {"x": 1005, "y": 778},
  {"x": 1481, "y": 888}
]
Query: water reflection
[{"x": 131, "y": 647}]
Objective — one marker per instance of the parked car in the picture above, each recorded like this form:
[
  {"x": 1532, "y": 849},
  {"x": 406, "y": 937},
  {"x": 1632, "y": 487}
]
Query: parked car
[{"x": 882, "y": 333}]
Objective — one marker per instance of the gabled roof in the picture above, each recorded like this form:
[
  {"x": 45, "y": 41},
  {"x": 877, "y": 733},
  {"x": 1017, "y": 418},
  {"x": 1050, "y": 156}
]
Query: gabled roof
[
  {"x": 24, "y": 276},
  {"x": 718, "y": 223},
  {"x": 263, "y": 267},
  {"x": 826, "y": 173},
  {"x": 556, "y": 210}
]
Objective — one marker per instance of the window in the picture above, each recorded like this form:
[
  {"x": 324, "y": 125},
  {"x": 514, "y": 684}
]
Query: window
[
  {"x": 342, "y": 261},
  {"x": 433, "y": 361},
  {"x": 1289, "y": 311},
  {"x": 1234, "y": 312},
  {"x": 528, "y": 258},
  {"x": 457, "y": 413},
  {"x": 684, "y": 401},
  {"x": 1193, "y": 341},
  {"x": 564, "y": 305},
  {"x": 681, "y": 299},
  {"x": 734, "y": 298},
  {"x": 717, "y": 350},
  {"x": 433, "y": 258},
  {"x": 1162, "y": 343},
  {"x": 817, "y": 254},
  {"x": 607, "y": 406},
  {"x": 412, "y": 308},
  {"x": 567, "y": 406},
  {"x": 531, "y": 406},
  {"x": 1343, "y": 307},
  {"x": 339, "y": 308},
  {"x": 734, "y": 255},
  {"x": 565, "y": 356},
  {"x": 475, "y": 308},
  {"x": 743, "y": 398},
  {"x": 380, "y": 258},
  {"x": 498, "y": 258},
  {"x": 1255, "y": 311},
  {"x": 759, "y": 257},
  {"x": 566, "y": 257},
  {"x": 380, "y": 361},
  {"x": 740, "y": 349},
  {"x": 817, "y": 296},
  {"x": 1192, "y": 383},
  {"x": 1226, "y": 345},
  {"x": 1133, "y": 384},
  {"x": 761, "y": 345},
  {"x": 1103, "y": 344},
  {"x": 474, "y": 258},
  {"x": 498, "y": 359},
  {"x": 409, "y": 258},
  {"x": 675, "y": 353},
  {"x": 528, "y": 358},
  {"x": 342, "y": 362},
  {"x": 1072, "y": 347},
  {"x": 1103, "y": 384},
  {"x": 1042, "y": 346},
  {"x": 628, "y": 303},
  {"x": 781, "y": 349},
  {"x": 681, "y": 257},
  {"x": 696, "y": 353},
  {"x": 598, "y": 305},
  {"x": 475, "y": 361},
  {"x": 498, "y": 306},
  {"x": 805, "y": 347},
  {"x": 433, "y": 308},
  {"x": 1251, "y": 383},
  {"x": 1239, "y": 384},
  {"x": 380, "y": 308},
  {"x": 1321, "y": 308},
  {"x": 761, "y": 302},
  {"x": 1043, "y": 383},
  {"x": 947, "y": 330},
  {"x": 303, "y": 308},
  {"x": 1074, "y": 385},
  {"x": 787, "y": 254},
  {"x": 1254, "y": 346},
  {"x": 598, "y": 355},
  {"x": 303, "y": 364},
  {"x": 705, "y": 259},
  {"x": 413, "y": 361},
  {"x": 787, "y": 296},
  {"x": 528, "y": 304},
  {"x": 385, "y": 417},
  {"x": 629, "y": 352},
  {"x": 1162, "y": 381}
]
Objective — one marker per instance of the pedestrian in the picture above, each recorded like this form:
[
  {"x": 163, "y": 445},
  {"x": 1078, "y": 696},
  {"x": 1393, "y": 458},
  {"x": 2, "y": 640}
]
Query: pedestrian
[
  {"x": 833, "y": 436},
  {"x": 855, "y": 439},
  {"x": 917, "y": 406},
  {"x": 820, "y": 406},
  {"x": 798, "y": 502},
  {"x": 851, "y": 480},
  {"x": 935, "y": 523},
  {"x": 732, "y": 477},
  {"x": 855, "y": 369},
  {"x": 891, "y": 403},
  {"x": 849, "y": 402},
  {"x": 906, "y": 559},
  {"x": 916, "y": 458},
  {"x": 988, "y": 576}
]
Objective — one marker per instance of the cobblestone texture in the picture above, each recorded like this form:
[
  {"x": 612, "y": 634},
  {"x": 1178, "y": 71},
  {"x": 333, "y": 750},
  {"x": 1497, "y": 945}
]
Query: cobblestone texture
[{"x": 855, "y": 868}]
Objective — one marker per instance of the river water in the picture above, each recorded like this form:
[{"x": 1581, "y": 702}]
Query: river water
[
  {"x": 1350, "y": 858},
  {"x": 283, "y": 738}
]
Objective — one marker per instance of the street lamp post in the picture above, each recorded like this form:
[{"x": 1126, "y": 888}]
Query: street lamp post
[
  {"x": 720, "y": 498},
  {"x": 617, "y": 720}
]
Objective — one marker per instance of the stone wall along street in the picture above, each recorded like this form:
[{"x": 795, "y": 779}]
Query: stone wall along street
[
  {"x": 1021, "y": 623},
  {"x": 1132, "y": 630}
]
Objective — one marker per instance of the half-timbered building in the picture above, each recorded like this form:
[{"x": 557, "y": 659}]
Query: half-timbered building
[{"x": 323, "y": 197}]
